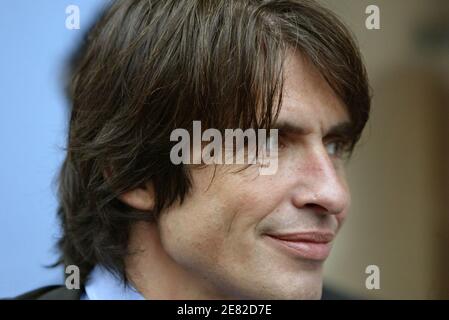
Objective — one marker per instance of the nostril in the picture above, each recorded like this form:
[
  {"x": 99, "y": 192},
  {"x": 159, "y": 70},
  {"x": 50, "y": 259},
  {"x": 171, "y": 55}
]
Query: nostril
[{"x": 315, "y": 207}]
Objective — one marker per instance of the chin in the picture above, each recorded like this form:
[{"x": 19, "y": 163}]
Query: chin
[
  {"x": 302, "y": 286},
  {"x": 304, "y": 292},
  {"x": 303, "y": 282}
]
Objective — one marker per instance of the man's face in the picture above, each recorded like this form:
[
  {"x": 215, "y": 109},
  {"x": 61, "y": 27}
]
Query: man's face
[{"x": 227, "y": 230}]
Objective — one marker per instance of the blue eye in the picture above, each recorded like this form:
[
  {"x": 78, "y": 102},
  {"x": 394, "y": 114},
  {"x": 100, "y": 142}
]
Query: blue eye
[
  {"x": 332, "y": 148},
  {"x": 338, "y": 148}
]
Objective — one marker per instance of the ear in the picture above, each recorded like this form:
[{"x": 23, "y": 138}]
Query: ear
[{"x": 142, "y": 198}]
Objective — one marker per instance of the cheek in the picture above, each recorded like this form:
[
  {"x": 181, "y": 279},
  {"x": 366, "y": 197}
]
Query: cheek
[
  {"x": 250, "y": 203},
  {"x": 192, "y": 235},
  {"x": 217, "y": 221},
  {"x": 341, "y": 217}
]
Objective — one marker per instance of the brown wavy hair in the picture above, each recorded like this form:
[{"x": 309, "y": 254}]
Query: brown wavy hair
[{"x": 149, "y": 67}]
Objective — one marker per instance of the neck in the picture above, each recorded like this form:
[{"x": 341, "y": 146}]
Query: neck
[{"x": 156, "y": 275}]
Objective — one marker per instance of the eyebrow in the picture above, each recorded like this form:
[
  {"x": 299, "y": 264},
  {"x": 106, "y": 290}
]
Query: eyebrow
[{"x": 344, "y": 128}]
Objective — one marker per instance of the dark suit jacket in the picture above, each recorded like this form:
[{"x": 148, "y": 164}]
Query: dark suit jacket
[{"x": 59, "y": 292}]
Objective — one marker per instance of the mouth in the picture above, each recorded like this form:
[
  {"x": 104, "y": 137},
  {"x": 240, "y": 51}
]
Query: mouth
[{"x": 314, "y": 245}]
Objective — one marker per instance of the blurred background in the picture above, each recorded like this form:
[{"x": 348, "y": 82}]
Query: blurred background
[{"x": 399, "y": 175}]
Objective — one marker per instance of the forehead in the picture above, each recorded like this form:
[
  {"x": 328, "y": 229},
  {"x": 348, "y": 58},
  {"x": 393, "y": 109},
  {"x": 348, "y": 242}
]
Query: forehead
[{"x": 308, "y": 100}]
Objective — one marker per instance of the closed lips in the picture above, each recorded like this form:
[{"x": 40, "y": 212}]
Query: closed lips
[
  {"x": 317, "y": 237},
  {"x": 310, "y": 246}
]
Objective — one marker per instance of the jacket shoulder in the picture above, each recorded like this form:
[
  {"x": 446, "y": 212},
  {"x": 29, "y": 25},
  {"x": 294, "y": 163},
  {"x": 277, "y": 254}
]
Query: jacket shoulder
[
  {"x": 333, "y": 294},
  {"x": 55, "y": 292}
]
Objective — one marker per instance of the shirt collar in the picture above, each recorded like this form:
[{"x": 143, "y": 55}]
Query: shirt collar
[{"x": 104, "y": 285}]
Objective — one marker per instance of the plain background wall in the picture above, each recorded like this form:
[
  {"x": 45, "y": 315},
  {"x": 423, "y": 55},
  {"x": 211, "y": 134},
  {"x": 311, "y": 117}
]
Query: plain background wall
[
  {"x": 34, "y": 46},
  {"x": 399, "y": 216},
  {"x": 398, "y": 175}
]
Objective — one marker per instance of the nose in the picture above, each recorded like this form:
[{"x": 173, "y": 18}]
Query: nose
[{"x": 321, "y": 185}]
